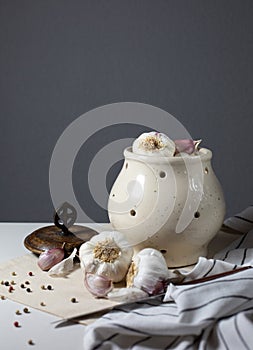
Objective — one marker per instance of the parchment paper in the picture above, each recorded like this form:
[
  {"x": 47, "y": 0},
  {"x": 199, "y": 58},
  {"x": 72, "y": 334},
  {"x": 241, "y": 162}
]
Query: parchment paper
[{"x": 58, "y": 300}]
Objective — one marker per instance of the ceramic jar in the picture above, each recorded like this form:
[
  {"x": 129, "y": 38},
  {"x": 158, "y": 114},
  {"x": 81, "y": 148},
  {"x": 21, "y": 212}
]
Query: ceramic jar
[{"x": 173, "y": 204}]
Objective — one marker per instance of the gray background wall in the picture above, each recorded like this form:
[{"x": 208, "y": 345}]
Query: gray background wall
[{"x": 60, "y": 58}]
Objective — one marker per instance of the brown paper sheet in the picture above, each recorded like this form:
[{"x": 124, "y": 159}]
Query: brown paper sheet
[{"x": 58, "y": 300}]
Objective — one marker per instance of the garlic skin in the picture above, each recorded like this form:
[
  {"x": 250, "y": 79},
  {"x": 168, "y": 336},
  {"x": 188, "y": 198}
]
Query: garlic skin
[
  {"x": 154, "y": 144},
  {"x": 64, "y": 267},
  {"x": 107, "y": 254},
  {"x": 50, "y": 257},
  {"x": 97, "y": 285},
  {"x": 149, "y": 272},
  {"x": 127, "y": 295}
]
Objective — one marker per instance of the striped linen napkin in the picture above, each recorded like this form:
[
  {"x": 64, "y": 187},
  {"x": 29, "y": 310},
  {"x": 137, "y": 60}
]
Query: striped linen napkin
[
  {"x": 213, "y": 315},
  {"x": 242, "y": 222}
]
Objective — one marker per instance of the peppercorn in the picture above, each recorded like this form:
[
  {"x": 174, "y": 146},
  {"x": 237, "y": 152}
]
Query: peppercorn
[
  {"x": 27, "y": 282},
  {"x": 22, "y": 285},
  {"x": 30, "y": 342},
  {"x": 3, "y": 297},
  {"x": 6, "y": 283},
  {"x": 73, "y": 300},
  {"x": 26, "y": 310},
  {"x": 16, "y": 324},
  {"x": 18, "y": 312},
  {"x": 11, "y": 289},
  {"x": 28, "y": 290},
  {"x": 14, "y": 273},
  {"x": 42, "y": 304},
  {"x": 13, "y": 282},
  {"x": 30, "y": 273},
  {"x": 49, "y": 287},
  {"x": 43, "y": 287}
]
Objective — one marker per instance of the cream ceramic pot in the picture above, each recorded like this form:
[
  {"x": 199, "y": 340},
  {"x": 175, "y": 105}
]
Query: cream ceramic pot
[{"x": 173, "y": 204}]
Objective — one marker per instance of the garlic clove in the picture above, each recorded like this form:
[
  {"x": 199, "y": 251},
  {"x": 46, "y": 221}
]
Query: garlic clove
[
  {"x": 64, "y": 267},
  {"x": 97, "y": 285},
  {"x": 49, "y": 258},
  {"x": 126, "y": 295},
  {"x": 185, "y": 146}
]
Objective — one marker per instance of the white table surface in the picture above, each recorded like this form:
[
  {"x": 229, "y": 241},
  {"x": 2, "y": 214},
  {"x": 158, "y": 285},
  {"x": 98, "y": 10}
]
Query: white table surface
[
  {"x": 37, "y": 325},
  {"x": 40, "y": 326}
]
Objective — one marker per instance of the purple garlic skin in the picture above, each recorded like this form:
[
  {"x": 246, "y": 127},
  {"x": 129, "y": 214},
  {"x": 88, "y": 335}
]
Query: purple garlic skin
[
  {"x": 49, "y": 258},
  {"x": 185, "y": 145},
  {"x": 158, "y": 288},
  {"x": 97, "y": 285}
]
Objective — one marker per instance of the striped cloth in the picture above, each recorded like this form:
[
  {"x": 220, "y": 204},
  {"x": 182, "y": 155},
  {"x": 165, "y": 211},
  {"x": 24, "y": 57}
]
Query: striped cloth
[
  {"x": 212, "y": 315},
  {"x": 242, "y": 222}
]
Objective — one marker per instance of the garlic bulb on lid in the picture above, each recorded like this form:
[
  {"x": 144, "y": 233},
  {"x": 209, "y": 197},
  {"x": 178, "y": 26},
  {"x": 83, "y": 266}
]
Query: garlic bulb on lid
[{"x": 107, "y": 254}]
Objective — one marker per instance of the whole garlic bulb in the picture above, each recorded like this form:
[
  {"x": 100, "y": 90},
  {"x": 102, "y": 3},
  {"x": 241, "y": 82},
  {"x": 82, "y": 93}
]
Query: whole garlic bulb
[
  {"x": 106, "y": 254},
  {"x": 149, "y": 272},
  {"x": 154, "y": 144}
]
